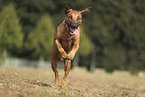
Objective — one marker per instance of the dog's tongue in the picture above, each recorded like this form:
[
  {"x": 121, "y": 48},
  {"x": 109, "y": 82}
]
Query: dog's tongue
[{"x": 74, "y": 31}]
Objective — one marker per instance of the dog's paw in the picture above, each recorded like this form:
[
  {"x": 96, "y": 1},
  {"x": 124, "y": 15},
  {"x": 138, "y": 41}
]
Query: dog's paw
[
  {"x": 70, "y": 56},
  {"x": 64, "y": 55}
]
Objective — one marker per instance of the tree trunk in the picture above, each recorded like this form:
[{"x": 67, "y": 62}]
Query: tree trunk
[
  {"x": 93, "y": 61},
  {"x": 76, "y": 61},
  {"x": 4, "y": 56},
  {"x": 41, "y": 61}
]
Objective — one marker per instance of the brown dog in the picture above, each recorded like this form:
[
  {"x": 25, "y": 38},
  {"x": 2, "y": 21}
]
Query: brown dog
[{"x": 66, "y": 42}]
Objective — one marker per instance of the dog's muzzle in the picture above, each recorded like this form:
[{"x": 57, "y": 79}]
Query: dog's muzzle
[
  {"x": 74, "y": 25},
  {"x": 73, "y": 28}
]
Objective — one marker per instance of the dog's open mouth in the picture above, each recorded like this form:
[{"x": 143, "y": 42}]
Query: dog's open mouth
[{"x": 73, "y": 31}]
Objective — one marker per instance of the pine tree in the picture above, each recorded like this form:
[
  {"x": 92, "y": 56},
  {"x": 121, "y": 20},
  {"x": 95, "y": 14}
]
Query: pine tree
[
  {"x": 86, "y": 48},
  {"x": 86, "y": 45},
  {"x": 41, "y": 38},
  {"x": 10, "y": 30}
]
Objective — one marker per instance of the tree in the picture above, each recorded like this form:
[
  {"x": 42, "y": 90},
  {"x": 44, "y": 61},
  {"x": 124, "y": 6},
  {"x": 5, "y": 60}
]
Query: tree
[
  {"x": 86, "y": 47},
  {"x": 116, "y": 28},
  {"x": 117, "y": 32},
  {"x": 41, "y": 38},
  {"x": 10, "y": 30}
]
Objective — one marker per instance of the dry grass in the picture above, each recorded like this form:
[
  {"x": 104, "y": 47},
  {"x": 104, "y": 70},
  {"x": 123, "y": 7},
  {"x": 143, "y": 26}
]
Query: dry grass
[{"x": 34, "y": 82}]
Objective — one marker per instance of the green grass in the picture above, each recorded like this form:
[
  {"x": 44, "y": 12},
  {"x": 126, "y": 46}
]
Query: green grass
[{"x": 46, "y": 92}]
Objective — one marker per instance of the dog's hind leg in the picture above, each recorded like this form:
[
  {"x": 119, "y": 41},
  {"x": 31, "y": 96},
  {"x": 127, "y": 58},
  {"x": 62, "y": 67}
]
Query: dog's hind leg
[
  {"x": 54, "y": 68},
  {"x": 66, "y": 69}
]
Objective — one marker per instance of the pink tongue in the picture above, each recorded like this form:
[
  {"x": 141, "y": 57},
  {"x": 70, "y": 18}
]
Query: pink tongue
[{"x": 74, "y": 31}]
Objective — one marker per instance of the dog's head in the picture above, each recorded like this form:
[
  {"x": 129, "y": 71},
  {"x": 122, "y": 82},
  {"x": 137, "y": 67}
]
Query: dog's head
[{"x": 74, "y": 19}]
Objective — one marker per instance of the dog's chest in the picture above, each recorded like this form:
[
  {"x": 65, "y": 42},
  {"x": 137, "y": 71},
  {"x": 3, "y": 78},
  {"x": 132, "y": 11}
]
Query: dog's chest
[{"x": 67, "y": 44}]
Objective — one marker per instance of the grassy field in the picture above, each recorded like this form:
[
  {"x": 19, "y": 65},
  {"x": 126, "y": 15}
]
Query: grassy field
[{"x": 38, "y": 82}]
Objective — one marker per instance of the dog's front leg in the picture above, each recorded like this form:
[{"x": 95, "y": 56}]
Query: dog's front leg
[
  {"x": 71, "y": 54},
  {"x": 60, "y": 49}
]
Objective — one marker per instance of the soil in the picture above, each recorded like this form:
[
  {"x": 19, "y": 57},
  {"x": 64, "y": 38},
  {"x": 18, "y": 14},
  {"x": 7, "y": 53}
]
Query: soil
[{"x": 39, "y": 82}]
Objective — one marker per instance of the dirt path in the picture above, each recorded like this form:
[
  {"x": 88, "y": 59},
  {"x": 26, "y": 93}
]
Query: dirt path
[{"x": 33, "y": 82}]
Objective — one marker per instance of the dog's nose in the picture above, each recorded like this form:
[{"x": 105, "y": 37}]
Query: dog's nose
[{"x": 74, "y": 25}]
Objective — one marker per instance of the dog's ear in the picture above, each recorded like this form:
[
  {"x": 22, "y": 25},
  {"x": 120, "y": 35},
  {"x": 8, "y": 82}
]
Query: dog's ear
[
  {"x": 87, "y": 9},
  {"x": 67, "y": 10}
]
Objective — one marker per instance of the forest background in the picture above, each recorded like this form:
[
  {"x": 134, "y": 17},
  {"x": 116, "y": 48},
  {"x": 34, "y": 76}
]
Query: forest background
[{"x": 112, "y": 33}]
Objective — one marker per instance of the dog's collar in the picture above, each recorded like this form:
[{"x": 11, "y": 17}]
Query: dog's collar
[{"x": 69, "y": 38}]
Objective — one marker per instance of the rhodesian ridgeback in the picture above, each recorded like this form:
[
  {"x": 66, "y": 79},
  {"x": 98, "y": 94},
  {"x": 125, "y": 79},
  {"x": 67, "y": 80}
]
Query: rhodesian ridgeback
[{"x": 66, "y": 42}]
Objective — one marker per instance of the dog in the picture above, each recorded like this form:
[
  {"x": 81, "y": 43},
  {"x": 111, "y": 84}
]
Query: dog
[{"x": 66, "y": 42}]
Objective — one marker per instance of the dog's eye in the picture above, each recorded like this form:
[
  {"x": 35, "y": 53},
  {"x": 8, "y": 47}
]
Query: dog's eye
[
  {"x": 70, "y": 17},
  {"x": 78, "y": 18}
]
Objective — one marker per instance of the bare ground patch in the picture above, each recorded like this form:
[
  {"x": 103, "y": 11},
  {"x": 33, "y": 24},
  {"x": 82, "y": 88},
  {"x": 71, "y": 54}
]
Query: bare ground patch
[{"x": 36, "y": 82}]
